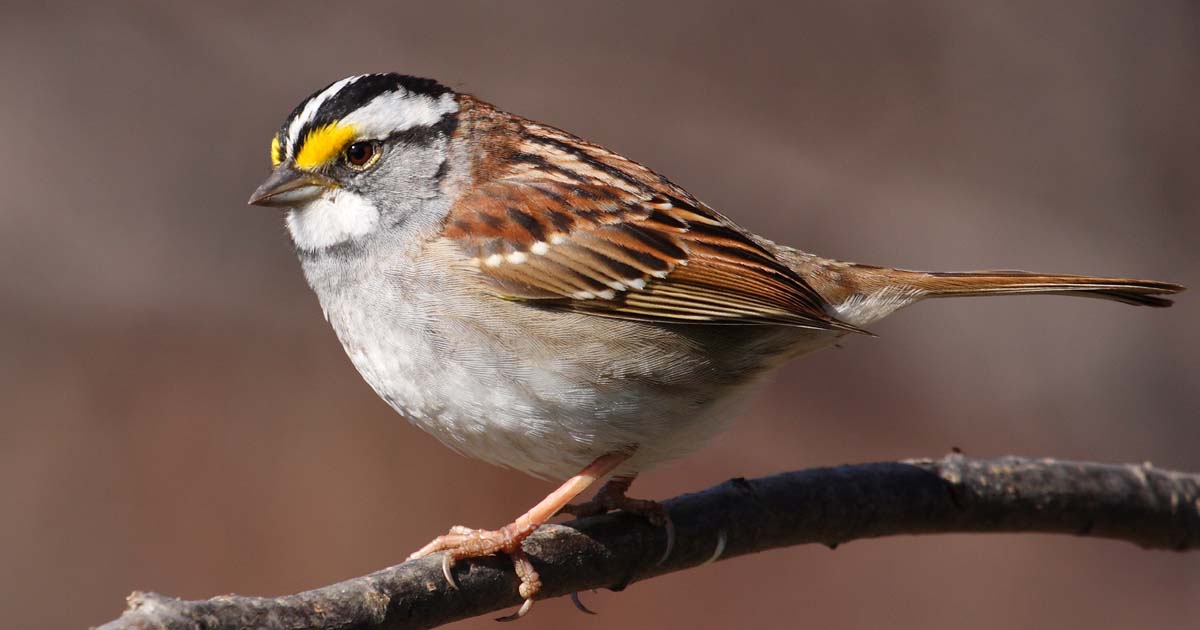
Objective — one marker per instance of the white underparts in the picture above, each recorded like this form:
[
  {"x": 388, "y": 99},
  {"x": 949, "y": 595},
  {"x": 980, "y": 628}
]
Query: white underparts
[{"x": 333, "y": 218}]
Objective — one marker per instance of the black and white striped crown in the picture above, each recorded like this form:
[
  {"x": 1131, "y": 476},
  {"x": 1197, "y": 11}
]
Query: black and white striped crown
[{"x": 367, "y": 105}]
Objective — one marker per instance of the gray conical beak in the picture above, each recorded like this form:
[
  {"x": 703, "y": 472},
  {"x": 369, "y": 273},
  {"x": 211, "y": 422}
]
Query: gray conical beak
[{"x": 288, "y": 187}]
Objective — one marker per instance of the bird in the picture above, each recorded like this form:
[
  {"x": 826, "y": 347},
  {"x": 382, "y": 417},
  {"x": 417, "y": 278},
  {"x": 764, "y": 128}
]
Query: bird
[{"x": 541, "y": 303}]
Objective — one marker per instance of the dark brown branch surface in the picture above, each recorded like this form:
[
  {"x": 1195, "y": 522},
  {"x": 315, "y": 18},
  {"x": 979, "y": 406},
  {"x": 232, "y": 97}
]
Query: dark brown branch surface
[{"x": 1153, "y": 508}]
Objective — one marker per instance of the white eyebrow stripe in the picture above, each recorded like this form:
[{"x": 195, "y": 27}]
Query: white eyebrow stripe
[
  {"x": 391, "y": 112},
  {"x": 310, "y": 110}
]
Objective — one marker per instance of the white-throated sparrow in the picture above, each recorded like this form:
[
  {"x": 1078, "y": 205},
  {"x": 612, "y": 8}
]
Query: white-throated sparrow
[{"x": 541, "y": 303}]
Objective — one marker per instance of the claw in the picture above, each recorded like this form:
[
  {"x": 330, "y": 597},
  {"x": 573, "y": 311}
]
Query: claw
[
  {"x": 668, "y": 525},
  {"x": 579, "y": 604},
  {"x": 521, "y": 612},
  {"x": 722, "y": 539},
  {"x": 447, "y": 564}
]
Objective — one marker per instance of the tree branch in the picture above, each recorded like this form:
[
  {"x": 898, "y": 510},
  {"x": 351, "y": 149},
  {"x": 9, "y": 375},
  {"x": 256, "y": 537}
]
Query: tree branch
[{"x": 1153, "y": 508}]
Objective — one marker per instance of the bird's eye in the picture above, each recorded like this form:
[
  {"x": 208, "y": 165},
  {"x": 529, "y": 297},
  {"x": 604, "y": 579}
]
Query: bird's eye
[{"x": 360, "y": 155}]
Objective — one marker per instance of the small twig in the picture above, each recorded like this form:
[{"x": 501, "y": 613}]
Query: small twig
[{"x": 1153, "y": 508}]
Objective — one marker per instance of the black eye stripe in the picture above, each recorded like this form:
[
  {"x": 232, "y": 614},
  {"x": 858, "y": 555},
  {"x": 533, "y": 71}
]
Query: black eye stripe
[
  {"x": 425, "y": 135},
  {"x": 422, "y": 135}
]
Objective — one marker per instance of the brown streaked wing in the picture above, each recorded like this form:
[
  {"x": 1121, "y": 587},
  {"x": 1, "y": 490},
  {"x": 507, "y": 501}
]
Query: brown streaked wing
[{"x": 600, "y": 249}]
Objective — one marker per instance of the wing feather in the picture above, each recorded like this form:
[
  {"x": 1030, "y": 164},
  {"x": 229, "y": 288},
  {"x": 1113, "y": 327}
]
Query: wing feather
[{"x": 580, "y": 228}]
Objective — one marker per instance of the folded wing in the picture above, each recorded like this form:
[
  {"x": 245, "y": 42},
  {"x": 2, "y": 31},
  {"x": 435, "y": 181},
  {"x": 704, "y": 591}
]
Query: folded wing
[{"x": 623, "y": 251}]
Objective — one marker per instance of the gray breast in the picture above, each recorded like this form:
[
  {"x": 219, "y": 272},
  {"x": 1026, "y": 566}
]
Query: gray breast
[{"x": 540, "y": 390}]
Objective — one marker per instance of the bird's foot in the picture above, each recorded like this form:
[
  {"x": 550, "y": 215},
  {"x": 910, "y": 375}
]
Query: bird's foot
[
  {"x": 612, "y": 497},
  {"x": 462, "y": 543}
]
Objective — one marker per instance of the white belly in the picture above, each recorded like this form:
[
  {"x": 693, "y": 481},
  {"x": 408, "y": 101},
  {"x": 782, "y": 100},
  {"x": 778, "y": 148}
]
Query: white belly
[
  {"x": 534, "y": 418},
  {"x": 545, "y": 392}
]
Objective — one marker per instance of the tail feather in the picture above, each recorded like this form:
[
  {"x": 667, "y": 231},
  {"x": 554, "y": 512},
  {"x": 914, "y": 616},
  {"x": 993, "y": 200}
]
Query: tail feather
[{"x": 1129, "y": 291}]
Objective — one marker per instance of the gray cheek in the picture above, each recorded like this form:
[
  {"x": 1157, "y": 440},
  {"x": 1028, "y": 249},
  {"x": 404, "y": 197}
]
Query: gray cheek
[
  {"x": 405, "y": 186},
  {"x": 405, "y": 171}
]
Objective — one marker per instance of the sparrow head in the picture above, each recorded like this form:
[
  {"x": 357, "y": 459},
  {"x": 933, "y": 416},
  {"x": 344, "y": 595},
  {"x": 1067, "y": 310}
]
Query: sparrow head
[{"x": 356, "y": 151}]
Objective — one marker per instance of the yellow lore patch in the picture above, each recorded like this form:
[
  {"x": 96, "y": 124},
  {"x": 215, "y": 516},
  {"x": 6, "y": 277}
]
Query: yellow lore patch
[
  {"x": 323, "y": 144},
  {"x": 276, "y": 153}
]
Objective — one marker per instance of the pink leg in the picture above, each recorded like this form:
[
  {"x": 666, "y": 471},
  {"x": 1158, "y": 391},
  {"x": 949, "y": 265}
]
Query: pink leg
[{"x": 461, "y": 543}]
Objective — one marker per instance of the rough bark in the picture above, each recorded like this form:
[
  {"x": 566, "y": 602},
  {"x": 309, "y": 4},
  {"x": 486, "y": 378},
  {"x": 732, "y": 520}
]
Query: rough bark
[{"x": 1150, "y": 507}]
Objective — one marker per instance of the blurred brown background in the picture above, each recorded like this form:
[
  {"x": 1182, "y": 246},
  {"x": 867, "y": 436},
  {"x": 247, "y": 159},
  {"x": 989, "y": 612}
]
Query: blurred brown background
[{"x": 176, "y": 415}]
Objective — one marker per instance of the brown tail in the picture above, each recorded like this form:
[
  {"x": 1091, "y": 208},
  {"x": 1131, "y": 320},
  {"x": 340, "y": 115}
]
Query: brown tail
[{"x": 1137, "y": 292}]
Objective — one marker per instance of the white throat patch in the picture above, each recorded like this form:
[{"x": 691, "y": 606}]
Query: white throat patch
[{"x": 333, "y": 218}]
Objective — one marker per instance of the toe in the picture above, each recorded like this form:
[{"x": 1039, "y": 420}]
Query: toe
[{"x": 531, "y": 583}]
